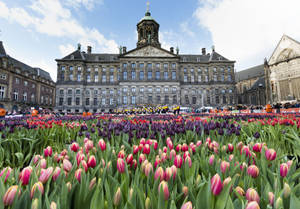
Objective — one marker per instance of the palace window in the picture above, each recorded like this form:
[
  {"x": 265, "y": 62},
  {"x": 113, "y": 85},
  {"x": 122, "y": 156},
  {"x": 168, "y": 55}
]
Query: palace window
[
  {"x": 165, "y": 66},
  {"x": 166, "y": 99},
  {"x": 185, "y": 78},
  {"x": 133, "y": 75},
  {"x": 111, "y": 101},
  {"x": 142, "y": 89},
  {"x": 95, "y": 101},
  {"x": 71, "y": 77},
  {"x": 206, "y": 78},
  {"x": 77, "y": 101},
  {"x": 69, "y": 101},
  {"x": 16, "y": 95},
  {"x": 217, "y": 100},
  {"x": 25, "y": 83},
  {"x": 24, "y": 96},
  {"x": 124, "y": 99},
  {"x": 78, "y": 69},
  {"x": 157, "y": 75},
  {"x": 215, "y": 78},
  {"x": 33, "y": 98},
  {"x": 96, "y": 70},
  {"x": 158, "y": 90},
  {"x": 88, "y": 69},
  {"x": 141, "y": 75},
  {"x": 111, "y": 78},
  {"x": 150, "y": 89},
  {"x": 111, "y": 91},
  {"x": 77, "y": 91},
  {"x": 61, "y": 101},
  {"x": 229, "y": 69},
  {"x": 157, "y": 99},
  {"x": 88, "y": 78},
  {"x": 199, "y": 78},
  {"x": 222, "y": 77},
  {"x": 133, "y": 66},
  {"x": 103, "y": 101},
  {"x": 3, "y": 76},
  {"x": 194, "y": 100},
  {"x": 125, "y": 90},
  {"x": 96, "y": 78},
  {"x": 173, "y": 65},
  {"x": 61, "y": 92},
  {"x": 149, "y": 74},
  {"x": 133, "y": 98},
  {"x": 166, "y": 76},
  {"x": 125, "y": 75},
  {"x": 69, "y": 91},
  {"x": 157, "y": 66},
  {"x": 17, "y": 80},
  {"x": 87, "y": 101},
  {"x": 166, "y": 89},
  {"x": 103, "y": 78},
  {"x": 192, "y": 78},
  {"x": 174, "y": 99},
  {"x": 173, "y": 75},
  {"x": 229, "y": 78},
  {"x": 63, "y": 68},
  {"x": 174, "y": 90}
]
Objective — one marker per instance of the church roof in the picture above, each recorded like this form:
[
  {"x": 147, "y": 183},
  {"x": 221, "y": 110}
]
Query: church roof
[
  {"x": 260, "y": 83},
  {"x": 257, "y": 71}
]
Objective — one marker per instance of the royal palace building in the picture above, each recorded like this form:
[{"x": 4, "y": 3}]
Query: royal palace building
[
  {"x": 23, "y": 87},
  {"x": 146, "y": 75}
]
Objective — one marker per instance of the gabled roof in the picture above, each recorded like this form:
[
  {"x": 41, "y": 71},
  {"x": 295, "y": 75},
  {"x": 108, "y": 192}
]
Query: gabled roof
[
  {"x": 76, "y": 55},
  {"x": 134, "y": 52},
  {"x": 260, "y": 83},
  {"x": 2, "y": 50},
  {"x": 250, "y": 73},
  {"x": 214, "y": 56}
]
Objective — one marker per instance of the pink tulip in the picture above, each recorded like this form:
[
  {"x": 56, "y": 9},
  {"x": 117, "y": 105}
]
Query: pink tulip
[
  {"x": 25, "y": 175},
  {"x": 43, "y": 163},
  {"x": 67, "y": 165},
  {"x": 36, "y": 158},
  {"x": 174, "y": 171},
  {"x": 230, "y": 158},
  {"x": 216, "y": 184},
  {"x": 224, "y": 166},
  {"x": 45, "y": 174},
  {"x": 199, "y": 143},
  {"x": 155, "y": 145},
  {"x": 164, "y": 187},
  {"x": 230, "y": 148},
  {"x": 178, "y": 161},
  {"x": 78, "y": 174},
  {"x": 134, "y": 164},
  {"x": 245, "y": 150},
  {"x": 74, "y": 147},
  {"x": 270, "y": 154},
  {"x": 252, "y": 205},
  {"x": 163, "y": 157},
  {"x": 143, "y": 141},
  {"x": 159, "y": 173},
  {"x": 79, "y": 157},
  {"x": 48, "y": 151},
  {"x": 117, "y": 197},
  {"x": 253, "y": 171},
  {"x": 129, "y": 159},
  {"x": 121, "y": 165},
  {"x": 185, "y": 154},
  {"x": 10, "y": 194},
  {"x": 91, "y": 162},
  {"x": 187, "y": 205},
  {"x": 84, "y": 165},
  {"x": 168, "y": 173},
  {"x": 240, "y": 145},
  {"x": 239, "y": 190},
  {"x": 284, "y": 168},
  {"x": 38, "y": 185},
  {"x": 271, "y": 198},
  {"x": 102, "y": 144},
  {"x": 226, "y": 181},
  {"x": 211, "y": 159},
  {"x": 142, "y": 158},
  {"x": 257, "y": 147},
  {"x": 252, "y": 195},
  {"x": 56, "y": 173},
  {"x": 170, "y": 145},
  {"x": 146, "y": 149},
  {"x": 148, "y": 169},
  {"x": 88, "y": 145},
  {"x": 188, "y": 161},
  {"x": 121, "y": 154},
  {"x": 289, "y": 163},
  {"x": 6, "y": 171},
  {"x": 144, "y": 165},
  {"x": 184, "y": 148},
  {"x": 135, "y": 149},
  {"x": 172, "y": 154},
  {"x": 178, "y": 148},
  {"x": 157, "y": 162}
]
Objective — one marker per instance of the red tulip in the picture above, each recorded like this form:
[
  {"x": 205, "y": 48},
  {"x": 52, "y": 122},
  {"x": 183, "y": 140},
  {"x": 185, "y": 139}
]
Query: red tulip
[
  {"x": 142, "y": 158},
  {"x": 211, "y": 159},
  {"x": 240, "y": 145},
  {"x": 67, "y": 165},
  {"x": 45, "y": 174},
  {"x": 271, "y": 198},
  {"x": 164, "y": 187},
  {"x": 163, "y": 157},
  {"x": 102, "y": 145},
  {"x": 135, "y": 149},
  {"x": 157, "y": 162},
  {"x": 178, "y": 148},
  {"x": 25, "y": 175},
  {"x": 84, "y": 165},
  {"x": 253, "y": 171},
  {"x": 56, "y": 173},
  {"x": 146, "y": 149},
  {"x": 38, "y": 185},
  {"x": 270, "y": 154},
  {"x": 6, "y": 171},
  {"x": 121, "y": 165},
  {"x": 252, "y": 205},
  {"x": 121, "y": 154},
  {"x": 187, "y": 205},
  {"x": 189, "y": 161},
  {"x": 10, "y": 194},
  {"x": 78, "y": 174},
  {"x": 216, "y": 184},
  {"x": 252, "y": 195},
  {"x": 245, "y": 150},
  {"x": 74, "y": 147},
  {"x": 165, "y": 149},
  {"x": 159, "y": 173},
  {"x": 184, "y": 148},
  {"x": 129, "y": 159},
  {"x": 79, "y": 157},
  {"x": 48, "y": 151},
  {"x": 224, "y": 166},
  {"x": 257, "y": 147},
  {"x": 155, "y": 145},
  {"x": 148, "y": 169},
  {"x": 185, "y": 154},
  {"x": 230, "y": 148},
  {"x": 91, "y": 162},
  {"x": 284, "y": 168},
  {"x": 143, "y": 141},
  {"x": 134, "y": 164},
  {"x": 178, "y": 161},
  {"x": 36, "y": 158}
]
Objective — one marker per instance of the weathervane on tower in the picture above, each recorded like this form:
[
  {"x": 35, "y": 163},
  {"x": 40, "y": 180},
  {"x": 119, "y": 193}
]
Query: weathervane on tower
[{"x": 148, "y": 5}]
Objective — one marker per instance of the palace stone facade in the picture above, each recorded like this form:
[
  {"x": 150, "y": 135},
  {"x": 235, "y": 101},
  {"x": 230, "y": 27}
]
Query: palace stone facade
[{"x": 146, "y": 75}]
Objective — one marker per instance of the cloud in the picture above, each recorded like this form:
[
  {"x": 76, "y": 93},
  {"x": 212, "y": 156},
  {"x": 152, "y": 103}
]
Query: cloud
[
  {"x": 248, "y": 30},
  {"x": 66, "y": 49},
  {"x": 88, "y": 4},
  {"x": 186, "y": 30}
]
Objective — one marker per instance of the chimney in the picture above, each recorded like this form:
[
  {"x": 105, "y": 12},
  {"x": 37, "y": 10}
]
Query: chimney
[
  {"x": 89, "y": 49},
  {"x": 79, "y": 46},
  {"x": 213, "y": 48},
  {"x": 203, "y": 51},
  {"x": 177, "y": 50},
  {"x": 172, "y": 50},
  {"x": 124, "y": 49}
]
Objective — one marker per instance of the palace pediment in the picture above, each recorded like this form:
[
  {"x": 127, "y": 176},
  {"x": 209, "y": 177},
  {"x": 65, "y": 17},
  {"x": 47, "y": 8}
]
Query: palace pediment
[{"x": 149, "y": 51}]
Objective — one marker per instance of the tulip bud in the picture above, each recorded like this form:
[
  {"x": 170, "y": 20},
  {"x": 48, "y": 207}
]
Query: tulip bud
[
  {"x": 187, "y": 205},
  {"x": 211, "y": 159},
  {"x": 178, "y": 148},
  {"x": 178, "y": 161},
  {"x": 117, "y": 197},
  {"x": 69, "y": 186},
  {"x": 45, "y": 174},
  {"x": 53, "y": 205},
  {"x": 35, "y": 203},
  {"x": 174, "y": 171},
  {"x": 25, "y": 175},
  {"x": 198, "y": 179},
  {"x": 10, "y": 194},
  {"x": 289, "y": 163},
  {"x": 271, "y": 198},
  {"x": 240, "y": 191},
  {"x": 185, "y": 190},
  {"x": 172, "y": 154},
  {"x": 224, "y": 166},
  {"x": 279, "y": 203},
  {"x": 286, "y": 190},
  {"x": 78, "y": 174},
  {"x": 159, "y": 173},
  {"x": 56, "y": 173},
  {"x": 48, "y": 151},
  {"x": 226, "y": 181},
  {"x": 188, "y": 161},
  {"x": 216, "y": 184},
  {"x": 270, "y": 154},
  {"x": 230, "y": 148},
  {"x": 164, "y": 187},
  {"x": 129, "y": 159},
  {"x": 253, "y": 171},
  {"x": 67, "y": 165},
  {"x": 91, "y": 161},
  {"x": 102, "y": 145},
  {"x": 121, "y": 165},
  {"x": 92, "y": 183},
  {"x": 168, "y": 173},
  {"x": 6, "y": 171},
  {"x": 284, "y": 168},
  {"x": 74, "y": 147},
  {"x": 252, "y": 195},
  {"x": 148, "y": 169},
  {"x": 147, "y": 203},
  {"x": 257, "y": 147},
  {"x": 252, "y": 205},
  {"x": 38, "y": 185},
  {"x": 135, "y": 149}
]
